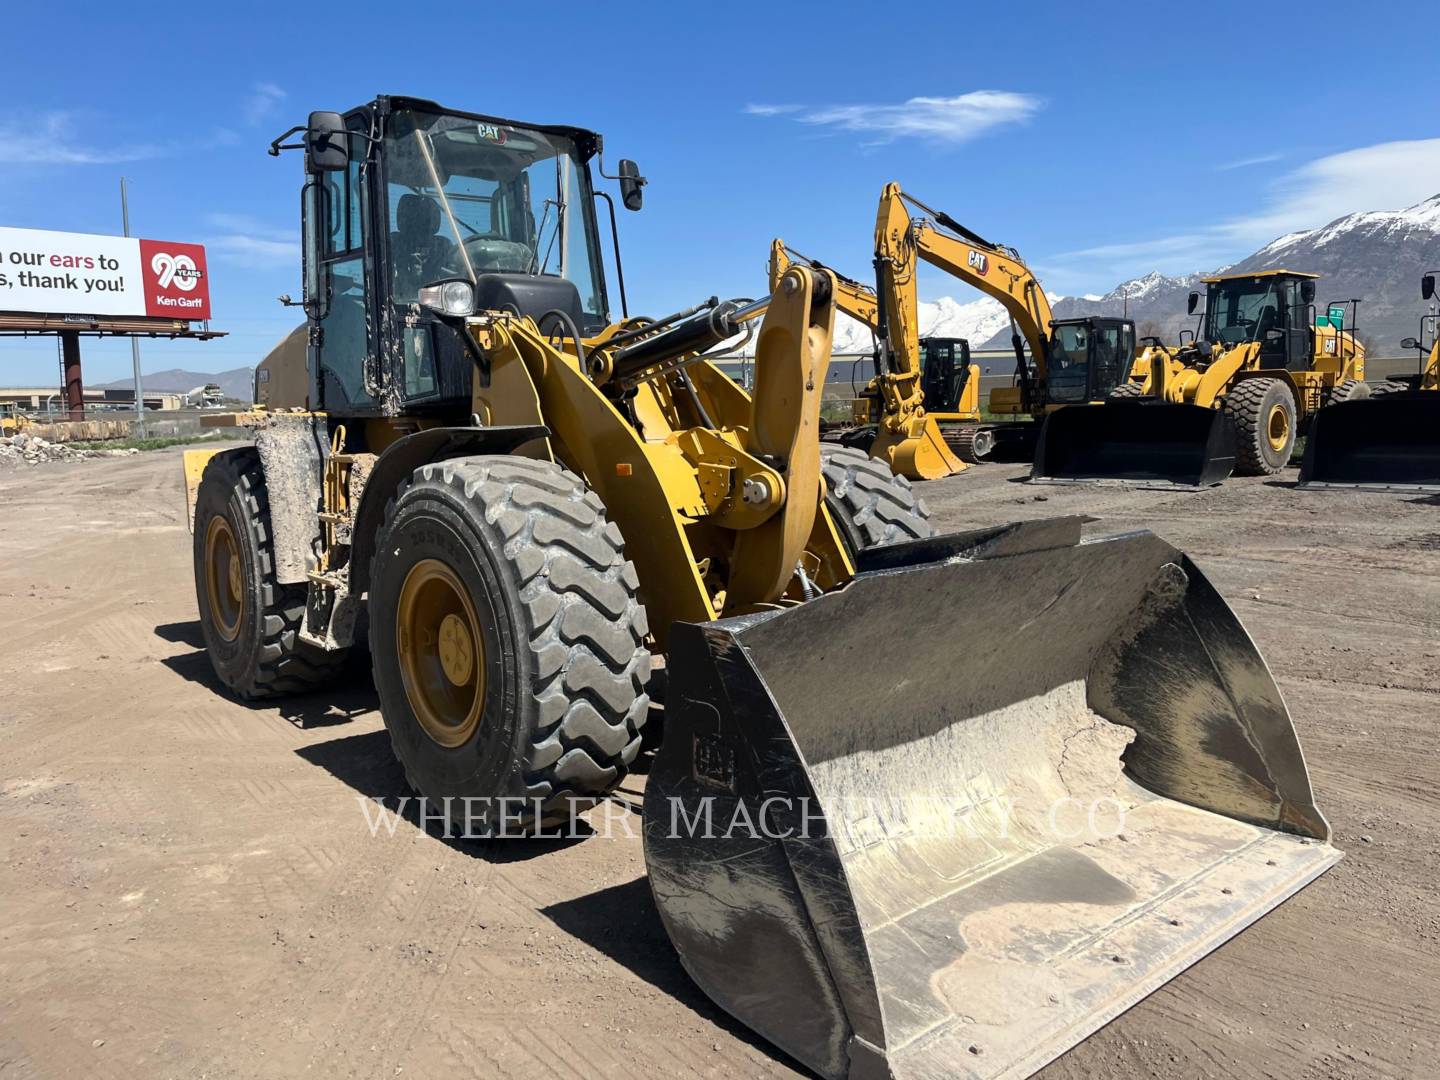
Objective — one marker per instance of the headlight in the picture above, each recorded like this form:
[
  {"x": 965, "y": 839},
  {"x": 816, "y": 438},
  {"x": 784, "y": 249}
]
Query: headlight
[{"x": 455, "y": 297}]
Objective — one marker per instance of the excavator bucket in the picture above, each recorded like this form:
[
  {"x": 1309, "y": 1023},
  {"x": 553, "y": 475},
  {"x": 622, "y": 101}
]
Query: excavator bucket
[
  {"x": 954, "y": 817},
  {"x": 1382, "y": 443},
  {"x": 1145, "y": 442}
]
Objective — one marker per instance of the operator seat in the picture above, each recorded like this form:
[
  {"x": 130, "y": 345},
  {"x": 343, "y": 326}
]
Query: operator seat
[{"x": 419, "y": 255}]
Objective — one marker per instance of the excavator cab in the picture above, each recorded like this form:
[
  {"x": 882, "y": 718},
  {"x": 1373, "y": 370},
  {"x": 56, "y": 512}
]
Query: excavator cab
[
  {"x": 1088, "y": 359},
  {"x": 944, "y": 372}
]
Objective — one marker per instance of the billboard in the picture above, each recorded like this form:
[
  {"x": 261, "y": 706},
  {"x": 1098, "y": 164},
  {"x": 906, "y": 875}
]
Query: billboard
[{"x": 62, "y": 273}]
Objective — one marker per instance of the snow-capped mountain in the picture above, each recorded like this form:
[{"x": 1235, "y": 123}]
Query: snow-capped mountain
[
  {"x": 975, "y": 321},
  {"x": 1376, "y": 255}
]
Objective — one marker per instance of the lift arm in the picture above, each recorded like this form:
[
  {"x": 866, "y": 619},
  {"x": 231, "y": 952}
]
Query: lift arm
[{"x": 908, "y": 439}]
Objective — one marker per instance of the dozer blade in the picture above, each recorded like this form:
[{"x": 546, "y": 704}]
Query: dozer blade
[
  {"x": 1380, "y": 444},
  {"x": 1145, "y": 442},
  {"x": 949, "y": 820}
]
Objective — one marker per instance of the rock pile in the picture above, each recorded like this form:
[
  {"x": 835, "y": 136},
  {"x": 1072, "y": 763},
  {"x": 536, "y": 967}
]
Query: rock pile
[{"x": 23, "y": 449}]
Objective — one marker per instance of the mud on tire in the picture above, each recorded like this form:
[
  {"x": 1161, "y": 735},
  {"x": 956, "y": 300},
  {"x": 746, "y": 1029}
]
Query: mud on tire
[
  {"x": 265, "y": 656},
  {"x": 870, "y": 505},
  {"x": 564, "y": 656},
  {"x": 1252, "y": 408}
]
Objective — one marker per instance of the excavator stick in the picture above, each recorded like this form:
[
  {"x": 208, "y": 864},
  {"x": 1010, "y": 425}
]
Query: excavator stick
[
  {"x": 951, "y": 819},
  {"x": 1382, "y": 443},
  {"x": 1141, "y": 441}
]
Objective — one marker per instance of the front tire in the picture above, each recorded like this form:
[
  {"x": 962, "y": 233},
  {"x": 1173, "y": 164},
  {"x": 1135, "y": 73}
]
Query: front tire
[
  {"x": 869, "y": 504},
  {"x": 1263, "y": 413},
  {"x": 508, "y": 642},
  {"x": 250, "y": 622}
]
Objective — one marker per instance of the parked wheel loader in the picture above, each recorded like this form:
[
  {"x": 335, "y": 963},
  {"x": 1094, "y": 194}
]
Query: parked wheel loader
[
  {"x": 1233, "y": 399},
  {"x": 1390, "y": 442},
  {"x": 924, "y": 805},
  {"x": 919, "y": 383}
]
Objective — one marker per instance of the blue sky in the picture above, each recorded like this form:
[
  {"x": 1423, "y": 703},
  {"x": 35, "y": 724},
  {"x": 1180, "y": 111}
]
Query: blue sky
[{"x": 1102, "y": 140}]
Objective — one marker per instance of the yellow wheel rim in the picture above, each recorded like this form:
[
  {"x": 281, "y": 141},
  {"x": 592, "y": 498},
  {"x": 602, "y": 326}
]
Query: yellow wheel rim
[
  {"x": 1277, "y": 427},
  {"x": 442, "y": 652},
  {"x": 224, "y": 578}
]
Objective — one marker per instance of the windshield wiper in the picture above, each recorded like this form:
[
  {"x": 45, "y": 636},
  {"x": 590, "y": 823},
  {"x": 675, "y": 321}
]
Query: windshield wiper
[{"x": 537, "y": 266}]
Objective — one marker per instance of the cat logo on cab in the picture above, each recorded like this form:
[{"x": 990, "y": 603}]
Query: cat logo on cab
[
  {"x": 494, "y": 132},
  {"x": 978, "y": 262}
]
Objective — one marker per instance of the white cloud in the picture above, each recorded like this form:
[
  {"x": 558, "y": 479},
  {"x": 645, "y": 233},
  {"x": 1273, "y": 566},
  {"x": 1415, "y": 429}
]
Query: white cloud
[
  {"x": 1245, "y": 163},
  {"x": 1387, "y": 176},
  {"x": 248, "y": 242},
  {"x": 263, "y": 99},
  {"x": 51, "y": 140},
  {"x": 946, "y": 119}
]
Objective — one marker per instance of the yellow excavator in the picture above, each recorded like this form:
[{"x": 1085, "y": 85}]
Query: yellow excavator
[
  {"x": 1233, "y": 399},
  {"x": 919, "y": 383},
  {"x": 887, "y": 855},
  {"x": 1391, "y": 441},
  {"x": 1058, "y": 362}
]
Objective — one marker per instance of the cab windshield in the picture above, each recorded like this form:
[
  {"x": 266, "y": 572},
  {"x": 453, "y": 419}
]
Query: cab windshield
[
  {"x": 468, "y": 197},
  {"x": 1240, "y": 311}
]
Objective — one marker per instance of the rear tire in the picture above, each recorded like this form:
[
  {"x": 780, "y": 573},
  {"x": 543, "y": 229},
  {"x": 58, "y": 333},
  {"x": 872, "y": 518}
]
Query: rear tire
[
  {"x": 1349, "y": 390},
  {"x": 541, "y": 702},
  {"x": 1263, "y": 413},
  {"x": 869, "y": 504},
  {"x": 250, "y": 622}
]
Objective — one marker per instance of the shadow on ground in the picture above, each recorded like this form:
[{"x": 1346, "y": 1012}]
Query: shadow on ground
[
  {"x": 351, "y": 695},
  {"x": 366, "y": 763},
  {"x": 623, "y": 923}
]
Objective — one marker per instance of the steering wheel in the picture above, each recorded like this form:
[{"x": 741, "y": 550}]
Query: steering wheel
[{"x": 505, "y": 256}]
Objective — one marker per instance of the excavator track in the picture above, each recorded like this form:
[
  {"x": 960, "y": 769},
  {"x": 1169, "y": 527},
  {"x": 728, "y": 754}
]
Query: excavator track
[{"x": 971, "y": 443}]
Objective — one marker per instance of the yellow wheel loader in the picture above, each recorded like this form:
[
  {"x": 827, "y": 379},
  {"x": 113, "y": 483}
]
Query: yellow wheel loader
[
  {"x": 1235, "y": 398},
  {"x": 935, "y": 807},
  {"x": 919, "y": 383},
  {"x": 1390, "y": 442}
]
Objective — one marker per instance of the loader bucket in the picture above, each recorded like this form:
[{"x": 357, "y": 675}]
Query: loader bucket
[
  {"x": 1382, "y": 443},
  {"x": 952, "y": 818},
  {"x": 1149, "y": 442}
]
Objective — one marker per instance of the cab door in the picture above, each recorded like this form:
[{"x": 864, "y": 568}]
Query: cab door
[{"x": 345, "y": 377}]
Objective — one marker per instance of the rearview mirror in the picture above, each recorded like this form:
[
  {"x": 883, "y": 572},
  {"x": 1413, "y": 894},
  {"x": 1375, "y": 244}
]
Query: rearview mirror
[
  {"x": 631, "y": 185},
  {"x": 1192, "y": 303},
  {"x": 1409, "y": 343},
  {"x": 1427, "y": 286},
  {"x": 327, "y": 146},
  {"x": 1307, "y": 291}
]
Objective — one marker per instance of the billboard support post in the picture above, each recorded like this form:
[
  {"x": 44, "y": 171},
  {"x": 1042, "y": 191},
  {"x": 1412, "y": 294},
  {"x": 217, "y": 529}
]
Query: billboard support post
[
  {"x": 134, "y": 341},
  {"x": 74, "y": 388}
]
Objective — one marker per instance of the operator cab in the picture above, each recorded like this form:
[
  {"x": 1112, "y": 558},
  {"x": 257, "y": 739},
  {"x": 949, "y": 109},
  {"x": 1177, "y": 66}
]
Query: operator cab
[
  {"x": 1274, "y": 308},
  {"x": 944, "y": 371},
  {"x": 1088, "y": 358},
  {"x": 401, "y": 196}
]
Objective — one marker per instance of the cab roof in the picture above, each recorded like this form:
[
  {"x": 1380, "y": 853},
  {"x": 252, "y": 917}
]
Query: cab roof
[
  {"x": 587, "y": 142},
  {"x": 1258, "y": 274}
]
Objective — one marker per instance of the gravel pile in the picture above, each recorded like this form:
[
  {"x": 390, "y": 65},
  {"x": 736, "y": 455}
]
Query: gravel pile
[{"x": 23, "y": 449}]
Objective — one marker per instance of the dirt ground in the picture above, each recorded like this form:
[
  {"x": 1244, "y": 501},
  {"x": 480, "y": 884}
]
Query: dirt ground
[{"x": 190, "y": 888}]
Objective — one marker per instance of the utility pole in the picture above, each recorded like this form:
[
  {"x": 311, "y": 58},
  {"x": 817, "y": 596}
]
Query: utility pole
[{"x": 134, "y": 341}]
